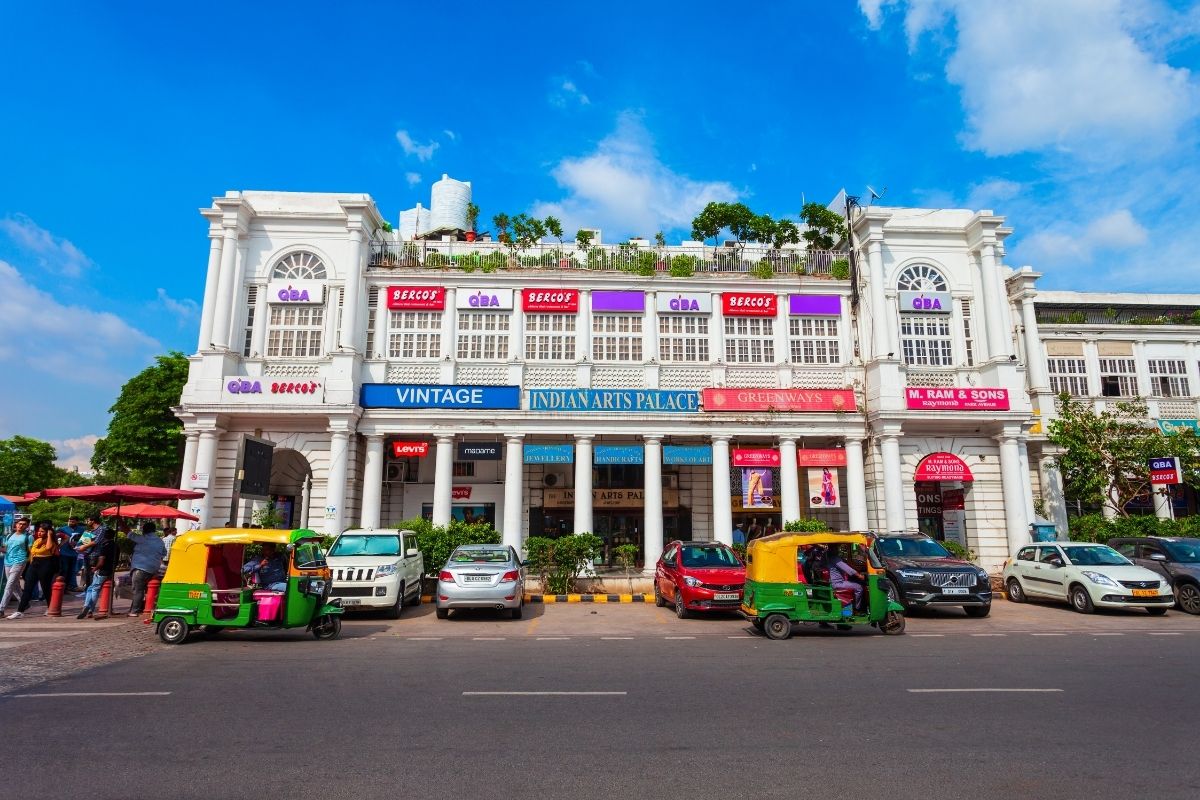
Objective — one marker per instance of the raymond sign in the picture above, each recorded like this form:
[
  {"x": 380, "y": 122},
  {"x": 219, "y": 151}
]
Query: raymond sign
[
  {"x": 560, "y": 301},
  {"x": 410, "y": 449},
  {"x": 778, "y": 400},
  {"x": 749, "y": 304},
  {"x": 755, "y": 458},
  {"x": 1165, "y": 471},
  {"x": 957, "y": 399},
  {"x": 416, "y": 298},
  {"x": 943, "y": 467},
  {"x": 821, "y": 458}
]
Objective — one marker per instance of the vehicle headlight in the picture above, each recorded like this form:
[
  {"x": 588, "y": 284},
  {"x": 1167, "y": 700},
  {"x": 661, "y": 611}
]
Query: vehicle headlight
[
  {"x": 983, "y": 576},
  {"x": 1103, "y": 580},
  {"x": 316, "y": 586},
  {"x": 385, "y": 570},
  {"x": 690, "y": 581},
  {"x": 913, "y": 574}
]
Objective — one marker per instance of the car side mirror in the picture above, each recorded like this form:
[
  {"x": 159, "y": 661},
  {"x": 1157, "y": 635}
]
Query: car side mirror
[
  {"x": 410, "y": 552},
  {"x": 1158, "y": 557}
]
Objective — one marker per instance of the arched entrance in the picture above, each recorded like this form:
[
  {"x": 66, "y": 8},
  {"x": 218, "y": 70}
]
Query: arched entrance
[
  {"x": 291, "y": 487},
  {"x": 942, "y": 482}
]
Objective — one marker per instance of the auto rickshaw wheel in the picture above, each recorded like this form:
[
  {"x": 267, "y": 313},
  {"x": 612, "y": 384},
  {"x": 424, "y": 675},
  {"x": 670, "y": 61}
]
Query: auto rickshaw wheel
[
  {"x": 893, "y": 623},
  {"x": 330, "y": 627},
  {"x": 777, "y": 626},
  {"x": 173, "y": 630},
  {"x": 757, "y": 623}
]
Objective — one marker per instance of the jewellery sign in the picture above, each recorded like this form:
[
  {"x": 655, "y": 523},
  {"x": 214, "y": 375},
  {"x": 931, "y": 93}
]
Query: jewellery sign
[
  {"x": 240, "y": 389},
  {"x": 471, "y": 299},
  {"x": 548, "y": 454},
  {"x": 296, "y": 293},
  {"x": 416, "y": 298},
  {"x": 957, "y": 399},
  {"x": 558, "y": 301},
  {"x": 749, "y": 304},
  {"x": 1165, "y": 471},
  {"x": 778, "y": 400},
  {"x": 684, "y": 303},
  {"x": 755, "y": 458},
  {"x": 419, "y": 395},
  {"x": 634, "y": 400}
]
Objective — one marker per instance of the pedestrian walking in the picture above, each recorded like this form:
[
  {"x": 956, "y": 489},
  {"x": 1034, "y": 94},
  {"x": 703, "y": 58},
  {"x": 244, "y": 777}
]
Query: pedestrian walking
[
  {"x": 68, "y": 536},
  {"x": 146, "y": 561},
  {"x": 83, "y": 549},
  {"x": 41, "y": 569},
  {"x": 104, "y": 564},
  {"x": 16, "y": 555},
  {"x": 169, "y": 535}
]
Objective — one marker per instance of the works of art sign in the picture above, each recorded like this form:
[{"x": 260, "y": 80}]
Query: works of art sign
[
  {"x": 778, "y": 400},
  {"x": 699, "y": 454},
  {"x": 927, "y": 302},
  {"x": 618, "y": 454},
  {"x": 957, "y": 399},
  {"x": 420, "y": 395},
  {"x": 753, "y": 457},
  {"x": 1172, "y": 426},
  {"x": 684, "y": 302},
  {"x": 749, "y": 304},
  {"x": 416, "y": 298},
  {"x": 410, "y": 449},
  {"x": 559, "y": 301},
  {"x": 815, "y": 305},
  {"x": 629, "y": 302},
  {"x": 608, "y": 498},
  {"x": 468, "y": 299},
  {"x": 821, "y": 458},
  {"x": 548, "y": 454},
  {"x": 635, "y": 400},
  {"x": 478, "y": 451},
  {"x": 943, "y": 467},
  {"x": 296, "y": 292},
  {"x": 239, "y": 389}
]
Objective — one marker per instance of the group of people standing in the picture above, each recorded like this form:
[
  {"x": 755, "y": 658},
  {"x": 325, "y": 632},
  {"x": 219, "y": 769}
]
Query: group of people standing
[{"x": 85, "y": 555}]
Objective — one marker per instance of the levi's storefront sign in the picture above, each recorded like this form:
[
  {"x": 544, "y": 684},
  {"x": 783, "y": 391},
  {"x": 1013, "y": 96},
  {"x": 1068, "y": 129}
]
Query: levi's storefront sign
[
  {"x": 239, "y": 389},
  {"x": 684, "y": 302},
  {"x": 754, "y": 458},
  {"x": 749, "y": 304},
  {"x": 927, "y": 302},
  {"x": 296, "y": 293},
  {"x": 420, "y": 395},
  {"x": 943, "y": 467},
  {"x": 410, "y": 449},
  {"x": 957, "y": 399},
  {"x": 778, "y": 400},
  {"x": 635, "y": 400},
  {"x": 1165, "y": 471},
  {"x": 557, "y": 301},
  {"x": 416, "y": 298},
  {"x": 468, "y": 299}
]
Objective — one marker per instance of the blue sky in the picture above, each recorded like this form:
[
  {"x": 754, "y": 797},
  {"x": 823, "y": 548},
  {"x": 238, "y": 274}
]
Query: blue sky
[{"x": 1076, "y": 119}]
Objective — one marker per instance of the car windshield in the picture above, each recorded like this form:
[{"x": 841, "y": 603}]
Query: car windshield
[
  {"x": 708, "y": 557},
  {"x": 1184, "y": 552},
  {"x": 912, "y": 548},
  {"x": 308, "y": 555},
  {"x": 1095, "y": 555},
  {"x": 497, "y": 555},
  {"x": 350, "y": 545}
]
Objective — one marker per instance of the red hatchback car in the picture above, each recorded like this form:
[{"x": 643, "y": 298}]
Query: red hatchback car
[{"x": 699, "y": 576}]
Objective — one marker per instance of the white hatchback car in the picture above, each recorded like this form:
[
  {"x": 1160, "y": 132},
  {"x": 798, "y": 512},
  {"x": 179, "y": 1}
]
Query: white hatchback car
[{"x": 1086, "y": 575}]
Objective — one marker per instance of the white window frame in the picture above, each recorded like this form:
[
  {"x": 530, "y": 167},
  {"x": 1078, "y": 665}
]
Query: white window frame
[
  {"x": 295, "y": 331},
  {"x": 251, "y": 300},
  {"x": 1168, "y": 378},
  {"x": 749, "y": 340},
  {"x": 550, "y": 337},
  {"x": 617, "y": 337},
  {"x": 926, "y": 340},
  {"x": 415, "y": 335},
  {"x": 683, "y": 338},
  {"x": 372, "y": 314},
  {"x": 1124, "y": 370},
  {"x": 483, "y": 335},
  {"x": 968, "y": 335},
  {"x": 1068, "y": 374},
  {"x": 815, "y": 340}
]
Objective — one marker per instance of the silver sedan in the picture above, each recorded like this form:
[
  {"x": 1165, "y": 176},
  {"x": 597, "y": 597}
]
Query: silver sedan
[{"x": 481, "y": 576}]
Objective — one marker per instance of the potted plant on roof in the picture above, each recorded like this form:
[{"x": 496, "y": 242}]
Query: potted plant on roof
[
  {"x": 660, "y": 242},
  {"x": 472, "y": 219}
]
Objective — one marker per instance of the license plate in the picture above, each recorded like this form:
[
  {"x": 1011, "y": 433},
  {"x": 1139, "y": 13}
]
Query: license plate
[
  {"x": 955, "y": 590},
  {"x": 725, "y": 596},
  {"x": 1145, "y": 593},
  {"x": 476, "y": 578},
  {"x": 349, "y": 601}
]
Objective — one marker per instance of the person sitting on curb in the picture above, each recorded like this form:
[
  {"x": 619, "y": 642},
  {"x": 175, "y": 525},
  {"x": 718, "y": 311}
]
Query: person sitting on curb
[{"x": 146, "y": 561}]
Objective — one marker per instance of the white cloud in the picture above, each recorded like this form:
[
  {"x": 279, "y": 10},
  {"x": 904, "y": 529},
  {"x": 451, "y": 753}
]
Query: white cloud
[
  {"x": 624, "y": 189},
  {"x": 76, "y": 453},
  {"x": 412, "y": 178},
  {"x": 451, "y": 135},
  {"x": 422, "y": 152},
  {"x": 1083, "y": 242},
  {"x": 992, "y": 193},
  {"x": 567, "y": 94},
  {"x": 184, "y": 309},
  {"x": 53, "y": 253}
]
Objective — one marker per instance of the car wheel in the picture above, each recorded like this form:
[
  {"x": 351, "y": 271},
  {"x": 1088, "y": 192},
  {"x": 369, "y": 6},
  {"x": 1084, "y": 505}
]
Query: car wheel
[
  {"x": 516, "y": 612},
  {"x": 1188, "y": 597},
  {"x": 442, "y": 613},
  {"x": 173, "y": 630},
  {"x": 1156, "y": 612},
  {"x": 659, "y": 600},
  {"x": 1081, "y": 601},
  {"x": 893, "y": 624},
  {"x": 1015, "y": 593},
  {"x": 416, "y": 598},
  {"x": 778, "y": 627},
  {"x": 978, "y": 612},
  {"x": 330, "y": 627},
  {"x": 398, "y": 606},
  {"x": 680, "y": 607}
]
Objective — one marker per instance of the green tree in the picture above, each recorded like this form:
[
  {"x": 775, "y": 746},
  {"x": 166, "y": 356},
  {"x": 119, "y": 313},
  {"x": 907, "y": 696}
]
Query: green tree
[
  {"x": 554, "y": 227},
  {"x": 1104, "y": 455},
  {"x": 27, "y": 465},
  {"x": 144, "y": 443},
  {"x": 825, "y": 227}
]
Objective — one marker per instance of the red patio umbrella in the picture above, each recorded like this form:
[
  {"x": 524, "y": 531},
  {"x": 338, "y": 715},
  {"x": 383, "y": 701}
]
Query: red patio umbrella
[
  {"x": 148, "y": 511},
  {"x": 121, "y": 493}
]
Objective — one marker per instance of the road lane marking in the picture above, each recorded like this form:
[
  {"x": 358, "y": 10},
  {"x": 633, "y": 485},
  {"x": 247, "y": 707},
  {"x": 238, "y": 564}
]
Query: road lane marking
[
  {"x": 1108, "y": 634},
  {"x": 95, "y": 694},
  {"x": 544, "y": 694},
  {"x": 553, "y": 638},
  {"x": 926, "y": 635},
  {"x": 961, "y": 691},
  {"x": 1165, "y": 633},
  {"x": 424, "y": 638},
  {"x": 679, "y": 637},
  {"x": 615, "y": 638},
  {"x": 1047, "y": 634},
  {"x": 743, "y": 636},
  {"x": 989, "y": 634},
  {"x": 488, "y": 638}
]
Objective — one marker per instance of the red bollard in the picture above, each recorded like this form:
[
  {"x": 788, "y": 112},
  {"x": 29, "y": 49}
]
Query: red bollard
[
  {"x": 104, "y": 604},
  {"x": 56, "y": 596},
  {"x": 151, "y": 599}
]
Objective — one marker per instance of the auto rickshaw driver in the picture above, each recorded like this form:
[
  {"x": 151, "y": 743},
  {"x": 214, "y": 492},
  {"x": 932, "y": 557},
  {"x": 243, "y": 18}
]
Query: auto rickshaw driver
[
  {"x": 844, "y": 576},
  {"x": 270, "y": 568}
]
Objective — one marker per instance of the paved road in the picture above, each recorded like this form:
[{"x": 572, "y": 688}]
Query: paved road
[{"x": 397, "y": 705}]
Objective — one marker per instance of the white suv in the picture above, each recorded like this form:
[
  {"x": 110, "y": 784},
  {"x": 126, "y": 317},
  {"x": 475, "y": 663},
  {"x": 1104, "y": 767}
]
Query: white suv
[{"x": 377, "y": 569}]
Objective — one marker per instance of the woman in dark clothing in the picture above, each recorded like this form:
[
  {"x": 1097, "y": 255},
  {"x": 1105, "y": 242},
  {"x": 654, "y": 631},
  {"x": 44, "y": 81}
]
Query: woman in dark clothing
[{"x": 42, "y": 566}]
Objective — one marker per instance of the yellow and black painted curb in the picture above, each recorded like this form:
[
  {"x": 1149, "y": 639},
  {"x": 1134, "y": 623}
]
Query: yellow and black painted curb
[{"x": 589, "y": 598}]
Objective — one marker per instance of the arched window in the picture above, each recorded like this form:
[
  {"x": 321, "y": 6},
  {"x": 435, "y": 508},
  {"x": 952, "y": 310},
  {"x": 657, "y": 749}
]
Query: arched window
[
  {"x": 299, "y": 266},
  {"x": 921, "y": 278}
]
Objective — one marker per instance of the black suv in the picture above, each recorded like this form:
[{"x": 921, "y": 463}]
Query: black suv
[
  {"x": 926, "y": 574},
  {"x": 1176, "y": 559}
]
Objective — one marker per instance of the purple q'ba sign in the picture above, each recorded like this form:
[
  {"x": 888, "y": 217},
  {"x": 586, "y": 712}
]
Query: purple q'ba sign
[
  {"x": 618, "y": 301},
  {"x": 823, "y": 305}
]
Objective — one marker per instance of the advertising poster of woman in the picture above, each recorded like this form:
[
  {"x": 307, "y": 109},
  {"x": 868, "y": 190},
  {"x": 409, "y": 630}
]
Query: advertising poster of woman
[
  {"x": 823, "y": 491},
  {"x": 757, "y": 491}
]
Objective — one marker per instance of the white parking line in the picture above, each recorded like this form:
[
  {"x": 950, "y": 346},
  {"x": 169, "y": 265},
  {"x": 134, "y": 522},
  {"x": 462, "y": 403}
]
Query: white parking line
[
  {"x": 424, "y": 638},
  {"x": 1164, "y": 633},
  {"x": 553, "y": 638},
  {"x": 679, "y": 637},
  {"x": 989, "y": 634},
  {"x": 488, "y": 638},
  {"x": 544, "y": 694},
  {"x": 1047, "y": 634},
  {"x": 95, "y": 694},
  {"x": 615, "y": 638},
  {"x": 743, "y": 636},
  {"x": 1108, "y": 634},
  {"x": 961, "y": 691},
  {"x": 926, "y": 635}
]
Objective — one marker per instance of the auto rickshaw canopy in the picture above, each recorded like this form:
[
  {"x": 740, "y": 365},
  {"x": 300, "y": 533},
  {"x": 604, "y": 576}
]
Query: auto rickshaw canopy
[
  {"x": 189, "y": 553},
  {"x": 772, "y": 559}
]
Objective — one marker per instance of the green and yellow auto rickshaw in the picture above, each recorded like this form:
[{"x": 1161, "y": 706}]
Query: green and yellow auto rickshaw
[
  {"x": 208, "y": 586},
  {"x": 787, "y": 581}
]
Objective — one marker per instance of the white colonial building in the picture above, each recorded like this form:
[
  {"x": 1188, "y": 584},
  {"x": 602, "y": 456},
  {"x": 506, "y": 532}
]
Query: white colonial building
[{"x": 645, "y": 393}]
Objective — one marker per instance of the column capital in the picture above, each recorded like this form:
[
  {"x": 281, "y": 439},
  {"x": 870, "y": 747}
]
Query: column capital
[
  {"x": 652, "y": 438},
  {"x": 340, "y": 433},
  {"x": 891, "y": 430},
  {"x": 584, "y": 437},
  {"x": 789, "y": 440},
  {"x": 721, "y": 437},
  {"x": 515, "y": 438},
  {"x": 1012, "y": 432},
  {"x": 375, "y": 438},
  {"x": 445, "y": 438}
]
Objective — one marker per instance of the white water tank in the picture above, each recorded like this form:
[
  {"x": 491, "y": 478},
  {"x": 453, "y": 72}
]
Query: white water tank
[
  {"x": 449, "y": 204},
  {"x": 414, "y": 222}
]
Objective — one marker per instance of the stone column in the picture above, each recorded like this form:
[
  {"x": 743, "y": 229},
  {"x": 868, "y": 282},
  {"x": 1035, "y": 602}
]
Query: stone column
[
  {"x": 335, "y": 482},
  {"x": 856, "y": 486},
  {"x": 583, "y": 484},
  {"x": 206, "y": 462},
  {"x": 1016, "y": 526},
  {"x": 789, "y": 480},
  {"x": 227, "y": 290},
  {"x": 189, "y": 466},
  {"x": 211, "y": 281},
  {"x": 514, "y": 491},
  {"x": 1035, "y": 359},
  {"x": 881, "y": 342},
  {"x": 993, "y": 297},
  {"x": 449, "y": 339},
  {"x": 716, "y": 333},
  {"x": 443, "y": 481},
  {"x": 893, "y": 480},
  {"x": 653, "y": 505},
  {"x": 1052, "y": 492},
  {"x": 650, "y": 334},
  {"x": 372, "y": 493},
  {"x": 352, "y": 292},
  {"x": 1026, "y": 479},
  {"x": 583, "y": 329},
  {"x": 258, "y": 333},
  {"x": 722, "y": 506}
]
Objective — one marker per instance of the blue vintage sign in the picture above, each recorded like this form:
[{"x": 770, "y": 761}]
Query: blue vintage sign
[
  {"x": 417, "y": 395},
  {"x": 1171, "y": 426},
  {"x": 687, "y": 454},
  {"x": 620, "y": 400},
  {"x": 549, "y": 454},
  {"x": 618, "y": 454}
]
